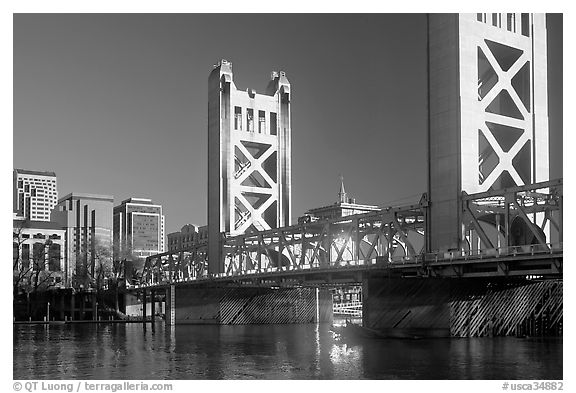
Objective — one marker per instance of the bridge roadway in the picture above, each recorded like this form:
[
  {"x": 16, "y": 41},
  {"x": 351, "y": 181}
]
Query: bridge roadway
[{"x": 532, "y": 261}]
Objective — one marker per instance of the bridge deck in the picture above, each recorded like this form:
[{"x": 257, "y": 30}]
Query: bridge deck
[{"x": 491, "y": 263}]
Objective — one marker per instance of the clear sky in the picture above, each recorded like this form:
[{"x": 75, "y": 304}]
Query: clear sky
[{"x": 116, "y": 104}]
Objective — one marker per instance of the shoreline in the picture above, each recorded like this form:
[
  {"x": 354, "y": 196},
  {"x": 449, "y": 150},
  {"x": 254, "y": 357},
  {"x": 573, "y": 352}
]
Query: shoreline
[{"x": 80, "y": 322}]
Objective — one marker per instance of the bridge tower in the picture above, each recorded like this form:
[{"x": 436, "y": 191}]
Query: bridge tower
[
  {"x": 488, "y": 113},
  {"x": 249, "y": 158}
]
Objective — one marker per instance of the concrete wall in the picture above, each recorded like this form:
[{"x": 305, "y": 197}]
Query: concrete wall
[
  {"x": 408, "y": 307},
  {"x": 213, "y": 305}
]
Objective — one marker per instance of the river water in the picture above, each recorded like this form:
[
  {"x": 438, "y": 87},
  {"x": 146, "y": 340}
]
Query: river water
[{"x": 128, "y": 351}]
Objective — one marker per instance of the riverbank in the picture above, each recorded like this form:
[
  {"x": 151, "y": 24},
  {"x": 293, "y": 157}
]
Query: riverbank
[{"x": 81, "y": 322}]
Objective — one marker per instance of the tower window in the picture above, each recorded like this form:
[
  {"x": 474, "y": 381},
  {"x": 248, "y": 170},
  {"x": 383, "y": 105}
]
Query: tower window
[
  {"x": 511, "y": 22},
  {"x": 250, "y": 120},
  {"x": 261, "y": 122},
  {"x": 237, "y": 118},
  {"x": 273, "y": 124},
  {"x": 525, "y": 25}
]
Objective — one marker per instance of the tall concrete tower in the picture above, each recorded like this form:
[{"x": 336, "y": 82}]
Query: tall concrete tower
[
  {"x": 488, "y": 112},
  {"x": 249, "y": 158}
]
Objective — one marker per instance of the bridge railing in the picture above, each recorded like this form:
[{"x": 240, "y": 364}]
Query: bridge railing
[{"x": 509, "y": 251}]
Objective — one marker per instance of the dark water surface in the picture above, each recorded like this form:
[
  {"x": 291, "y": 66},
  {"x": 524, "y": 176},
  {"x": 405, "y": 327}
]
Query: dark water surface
[{"x": 127, "y": 351}]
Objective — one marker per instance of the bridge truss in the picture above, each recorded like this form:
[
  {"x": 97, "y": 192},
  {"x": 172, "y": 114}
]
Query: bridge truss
[{"x": 498, "y": 228}]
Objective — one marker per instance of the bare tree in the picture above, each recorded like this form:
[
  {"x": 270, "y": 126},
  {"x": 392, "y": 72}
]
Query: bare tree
[
  {"x": 21, "y": 268},
  {"x": 102, "y": 265},
  {"x": 126, "y": 262}
]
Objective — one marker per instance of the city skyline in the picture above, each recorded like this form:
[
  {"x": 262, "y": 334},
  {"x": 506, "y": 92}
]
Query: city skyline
[{"x": 123, "y": 100}]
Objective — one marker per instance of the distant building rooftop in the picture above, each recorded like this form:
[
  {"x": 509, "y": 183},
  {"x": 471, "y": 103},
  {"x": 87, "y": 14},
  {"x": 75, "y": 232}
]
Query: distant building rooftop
[
  {"x": 344, "y": 207},
  {"x": 80, "y": 195},
  {"x": 35, "y": 173},
  {"x": 145, "y": 201}
]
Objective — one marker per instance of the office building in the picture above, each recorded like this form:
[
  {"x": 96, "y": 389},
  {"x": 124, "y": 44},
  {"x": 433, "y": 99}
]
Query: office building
[
  {"x": 138, "y": 229},
  {"x": 35, "y": 194},
  {"x": 87, "y": 220}
]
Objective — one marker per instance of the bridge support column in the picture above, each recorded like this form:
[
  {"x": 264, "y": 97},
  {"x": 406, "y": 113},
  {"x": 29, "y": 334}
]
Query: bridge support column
[
  {"x": 152, "y": 304},
  {"x": 170, "y": 308},
  {"x": 144, "y": 306},
  {"x": 471, "y": 307},
  {"x": 247, "y": 305}
]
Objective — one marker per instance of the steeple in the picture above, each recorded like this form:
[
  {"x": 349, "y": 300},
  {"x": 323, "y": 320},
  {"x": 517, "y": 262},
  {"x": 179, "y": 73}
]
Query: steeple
[{"x": 342, "y": 192}]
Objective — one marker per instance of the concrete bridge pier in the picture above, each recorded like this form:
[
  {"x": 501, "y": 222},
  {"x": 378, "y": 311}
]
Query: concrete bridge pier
[
  {"x": 246, "y": 305},
  {"x": 456, "y": 307},
  {"x": 144, "y": 306},
  {"x": 152, "y": 305}
]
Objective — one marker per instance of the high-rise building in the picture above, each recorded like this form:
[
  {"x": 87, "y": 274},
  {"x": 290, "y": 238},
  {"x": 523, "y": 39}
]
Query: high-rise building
[
  {"x": 35, "y": 194},
  {"x": 249, "y": 158},
  {"x": 138, "y": 229},
  {"x": 87, "y": 219},
  {"x": 488, "y": 111}
]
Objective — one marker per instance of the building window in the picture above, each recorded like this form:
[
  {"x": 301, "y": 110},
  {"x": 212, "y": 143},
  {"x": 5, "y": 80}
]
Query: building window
[
  {"x": 38, "y": 255},
  {"x": 15, "y": 254},
  {"x": 511, "y": 22},
  {"x": 25, "y": 256},
  {"x": 525, "y": 20},
  {"x": 237, "y": 118},
  {"x": 273, "y": 124},
  {"x": 261, "y": 122},
  {"x": 250, "y": 120},
  {"x": 54, "y": 258}
]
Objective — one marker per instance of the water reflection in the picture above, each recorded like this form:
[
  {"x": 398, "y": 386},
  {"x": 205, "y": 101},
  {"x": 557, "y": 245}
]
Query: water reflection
[{"x": 127, "y": 351}]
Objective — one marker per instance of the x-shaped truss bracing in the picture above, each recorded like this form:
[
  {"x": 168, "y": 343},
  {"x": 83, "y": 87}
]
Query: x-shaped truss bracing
[{"x": 515, "y": 219}]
